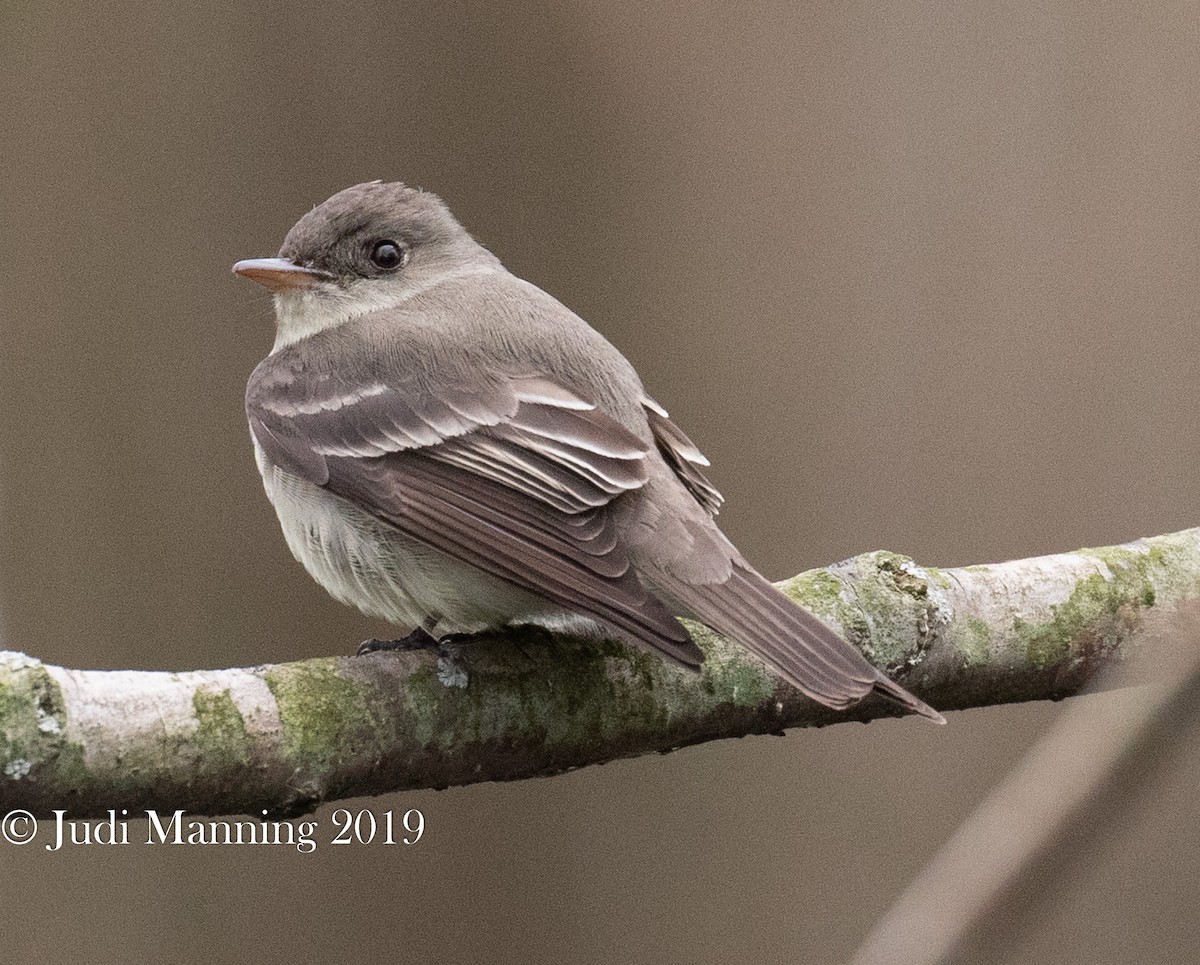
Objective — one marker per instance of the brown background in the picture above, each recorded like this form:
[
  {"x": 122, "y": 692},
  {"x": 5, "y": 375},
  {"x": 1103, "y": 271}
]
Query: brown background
[{"x": 919, "y": 278}]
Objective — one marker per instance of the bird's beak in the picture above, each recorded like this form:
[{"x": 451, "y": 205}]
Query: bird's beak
[{"x": 279, "y": 274}]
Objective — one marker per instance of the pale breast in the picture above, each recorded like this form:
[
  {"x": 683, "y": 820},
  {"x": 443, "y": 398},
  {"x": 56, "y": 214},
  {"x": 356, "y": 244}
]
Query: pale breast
[{"x": 364, "y": 562}]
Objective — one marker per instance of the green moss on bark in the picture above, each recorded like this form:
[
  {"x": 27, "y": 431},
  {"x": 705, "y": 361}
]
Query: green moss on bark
[
  {"x": 1101, "y": 611},
  {"x": 323, "y": 714},
  {"x": 973, "y": 640},
  {"x": 892, "y": 593},
  {"x": 33, "y": 725},
  {"x": 220, "y": 739}
]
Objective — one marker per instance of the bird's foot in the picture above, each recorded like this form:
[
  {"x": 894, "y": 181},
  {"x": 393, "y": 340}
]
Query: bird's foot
[{"x": 419, "y": 639}]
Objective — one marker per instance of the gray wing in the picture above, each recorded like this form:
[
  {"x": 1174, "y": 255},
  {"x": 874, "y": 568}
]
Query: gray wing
[
  {"x": 682, "y": 456},
  {"x": 515, "y": 476}
]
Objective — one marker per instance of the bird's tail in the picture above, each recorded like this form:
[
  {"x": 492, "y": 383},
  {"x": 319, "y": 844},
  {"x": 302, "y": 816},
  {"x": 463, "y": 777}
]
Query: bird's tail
[{"x": 809, "y": 654}]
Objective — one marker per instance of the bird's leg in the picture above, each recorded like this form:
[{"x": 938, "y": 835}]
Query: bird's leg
[{"x": 419, "y": 639}]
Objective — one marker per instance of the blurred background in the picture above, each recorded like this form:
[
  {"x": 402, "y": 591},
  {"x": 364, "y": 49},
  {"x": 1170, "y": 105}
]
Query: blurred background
[{"x": 919, "y": 277}]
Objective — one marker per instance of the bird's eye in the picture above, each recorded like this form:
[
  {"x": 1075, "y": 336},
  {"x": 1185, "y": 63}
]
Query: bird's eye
[{"x": 387, "y": 255}]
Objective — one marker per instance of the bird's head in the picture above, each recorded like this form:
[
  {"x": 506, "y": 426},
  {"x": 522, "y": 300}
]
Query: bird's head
[{"x": 370, "y": 247}]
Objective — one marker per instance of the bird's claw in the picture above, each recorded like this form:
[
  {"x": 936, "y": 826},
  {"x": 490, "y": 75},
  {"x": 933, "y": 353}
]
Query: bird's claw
[{"x": 419, "y": 639}]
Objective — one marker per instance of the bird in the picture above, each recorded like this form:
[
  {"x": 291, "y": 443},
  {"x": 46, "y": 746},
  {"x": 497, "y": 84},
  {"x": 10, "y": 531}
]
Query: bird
[{"x": 451, "y": 449}]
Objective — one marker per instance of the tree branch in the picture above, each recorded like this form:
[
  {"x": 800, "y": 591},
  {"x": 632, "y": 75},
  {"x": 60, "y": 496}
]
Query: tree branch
[{"x": 525, "y": 702}]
